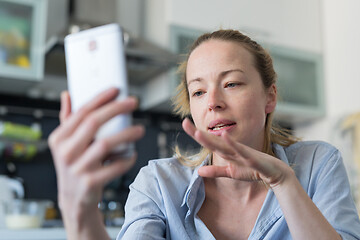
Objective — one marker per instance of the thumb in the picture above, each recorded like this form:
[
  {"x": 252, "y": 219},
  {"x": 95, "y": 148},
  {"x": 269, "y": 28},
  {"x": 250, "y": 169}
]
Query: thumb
[{"x": 213, "y": 171}]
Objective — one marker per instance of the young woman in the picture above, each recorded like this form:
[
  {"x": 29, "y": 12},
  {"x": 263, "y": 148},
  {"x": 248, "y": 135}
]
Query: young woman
[{"x": 250, "y": 181}]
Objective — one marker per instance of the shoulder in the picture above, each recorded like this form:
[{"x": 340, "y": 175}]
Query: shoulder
[
  {"x": 317, "y": 151},
  {"x": 165, "y": 168},
  {"x": 163, "y": 172},
  {"x": 311, "y": 146},
  {"x": 310, "y": 157},
  {"x": 161, "y": 181},
  {"x": 313, "y": 161}
]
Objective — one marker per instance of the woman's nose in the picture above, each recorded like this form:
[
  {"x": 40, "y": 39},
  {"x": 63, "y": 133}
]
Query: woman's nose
[{"x": 215, "y": 101}]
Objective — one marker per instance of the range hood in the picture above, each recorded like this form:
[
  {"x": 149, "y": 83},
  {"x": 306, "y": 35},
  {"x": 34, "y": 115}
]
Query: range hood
[{"x": 146, "y": 60}]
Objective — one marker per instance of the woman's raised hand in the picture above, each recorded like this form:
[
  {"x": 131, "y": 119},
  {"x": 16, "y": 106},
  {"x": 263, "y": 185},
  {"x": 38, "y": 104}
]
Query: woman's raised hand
[
  {"x": 244, "y": 163},
  {"x": 79, "y": 160}
]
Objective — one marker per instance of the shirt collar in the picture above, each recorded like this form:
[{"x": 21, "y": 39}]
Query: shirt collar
[
  {"x": 280, "y": 153},
  {"x": 194, "y": 185}
]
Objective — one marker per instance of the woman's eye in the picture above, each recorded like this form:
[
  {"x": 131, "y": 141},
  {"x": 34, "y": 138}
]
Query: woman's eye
[
  {"x": 231, "y": 85},
  {"x": 198, "y": 93}
]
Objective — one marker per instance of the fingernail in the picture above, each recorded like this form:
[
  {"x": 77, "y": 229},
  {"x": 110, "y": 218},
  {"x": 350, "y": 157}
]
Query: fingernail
[
  {"x": 114, "y": 89},
  {"x": 63, "y": 95},
  {"x": 135, "y": 100},
  {"x": 140, "y": 129}
]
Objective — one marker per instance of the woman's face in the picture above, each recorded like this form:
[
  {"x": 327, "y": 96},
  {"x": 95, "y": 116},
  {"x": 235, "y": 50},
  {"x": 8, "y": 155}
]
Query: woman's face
[{"x": 226, "y": 92}]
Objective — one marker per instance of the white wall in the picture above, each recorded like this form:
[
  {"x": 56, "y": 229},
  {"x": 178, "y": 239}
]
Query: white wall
[
  {"x": 341, "y": 50},
  {"x": 156, "y": 26}
]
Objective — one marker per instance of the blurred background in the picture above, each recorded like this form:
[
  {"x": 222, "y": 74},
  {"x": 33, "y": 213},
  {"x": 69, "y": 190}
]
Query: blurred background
[{"x": 314, "y": 45}]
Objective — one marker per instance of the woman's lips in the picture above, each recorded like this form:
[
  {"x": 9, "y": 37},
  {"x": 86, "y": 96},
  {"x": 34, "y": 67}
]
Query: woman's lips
[{"x": 218, "y": 126}]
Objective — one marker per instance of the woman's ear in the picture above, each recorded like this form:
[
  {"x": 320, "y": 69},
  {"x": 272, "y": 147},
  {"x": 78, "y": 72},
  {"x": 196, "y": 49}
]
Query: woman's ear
[{"x": 271, "y": 99}]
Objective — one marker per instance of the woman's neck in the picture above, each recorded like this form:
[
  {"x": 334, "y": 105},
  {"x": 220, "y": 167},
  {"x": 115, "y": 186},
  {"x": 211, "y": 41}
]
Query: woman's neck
[{"x": 234, "y": 189}]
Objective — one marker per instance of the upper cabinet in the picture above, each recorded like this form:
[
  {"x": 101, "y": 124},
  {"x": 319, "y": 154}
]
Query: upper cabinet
[
  {"x": 27, "y": 29},
  {"x": 300, "y": 84}
]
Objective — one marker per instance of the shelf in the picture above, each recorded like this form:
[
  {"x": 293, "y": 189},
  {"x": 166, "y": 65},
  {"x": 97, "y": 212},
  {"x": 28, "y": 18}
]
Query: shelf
[{"x": 41, "y": 145}]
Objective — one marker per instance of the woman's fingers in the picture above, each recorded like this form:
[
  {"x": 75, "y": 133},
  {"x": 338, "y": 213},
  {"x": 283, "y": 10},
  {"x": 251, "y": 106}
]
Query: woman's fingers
[
  {"x": 100, "y": 149},
  {"x": 92, "y": 165},
  {"x": 113, "y": 170},
  {"x": 189, "y": 128},
  {"x": 213, "y": 171},
  {"x": 223, "y": 145},
  {"x": 68, "y": 127},
  {"x": 229, "y": 171},
  {"x": 240, "y": 149},
  {"x": 205, "y": 139},
  {"x": 85, "y": 132},
  {"x": 267, "y": 166},
  {"x": 65, "y": 110},
  {"x": 213, "y": 143}
]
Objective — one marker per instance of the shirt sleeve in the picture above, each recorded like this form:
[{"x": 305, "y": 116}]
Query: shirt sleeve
[
  {"x": 333, "y": 197},
  {"x": 144, "y": 218}
]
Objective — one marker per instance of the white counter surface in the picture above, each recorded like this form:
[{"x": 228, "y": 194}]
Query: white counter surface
[{"x": 45, "y": 234}]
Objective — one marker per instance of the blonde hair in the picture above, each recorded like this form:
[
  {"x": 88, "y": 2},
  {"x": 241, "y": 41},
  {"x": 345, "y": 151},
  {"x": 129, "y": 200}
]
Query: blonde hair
[{"x": 263, "y": 64}]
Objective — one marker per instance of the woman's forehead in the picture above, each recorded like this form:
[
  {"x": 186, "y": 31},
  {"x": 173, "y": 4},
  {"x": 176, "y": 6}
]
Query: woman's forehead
[{"x": 217, "y": 56}]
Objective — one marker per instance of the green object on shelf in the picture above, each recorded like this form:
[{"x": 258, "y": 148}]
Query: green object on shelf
[
  {"x": 19, "y": 131},
  {"x": 22, "y": 151}
]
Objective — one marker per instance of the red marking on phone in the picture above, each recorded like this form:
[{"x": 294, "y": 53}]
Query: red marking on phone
[{"x": 92, "y": 45}]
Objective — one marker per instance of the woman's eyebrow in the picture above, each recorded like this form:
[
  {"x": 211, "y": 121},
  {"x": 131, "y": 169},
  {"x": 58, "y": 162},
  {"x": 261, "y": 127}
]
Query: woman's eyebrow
[
  {"x": 221, "y": 75},
  {"x": 194, "y": 80},
  {"x": 224, "y": 73}
]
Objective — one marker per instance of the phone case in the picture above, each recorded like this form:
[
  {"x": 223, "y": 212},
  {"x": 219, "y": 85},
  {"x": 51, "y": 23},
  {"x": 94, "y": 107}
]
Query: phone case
[{"x": 95, "y": 61}]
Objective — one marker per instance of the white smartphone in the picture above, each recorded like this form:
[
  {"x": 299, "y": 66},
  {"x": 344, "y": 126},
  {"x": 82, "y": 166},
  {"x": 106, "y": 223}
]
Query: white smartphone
[{"x": 95, "y": 61}]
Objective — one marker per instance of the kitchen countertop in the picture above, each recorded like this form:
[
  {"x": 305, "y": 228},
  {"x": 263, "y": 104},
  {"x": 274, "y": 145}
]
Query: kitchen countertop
[{"x": 45, "y": 234}]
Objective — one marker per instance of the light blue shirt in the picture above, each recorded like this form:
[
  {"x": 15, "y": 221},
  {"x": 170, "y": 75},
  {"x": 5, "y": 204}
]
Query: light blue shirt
[{"x": 166, "y": 196}]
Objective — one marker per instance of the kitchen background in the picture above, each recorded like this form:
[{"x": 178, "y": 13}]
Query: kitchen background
[{"x": 314, "y": 43}]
